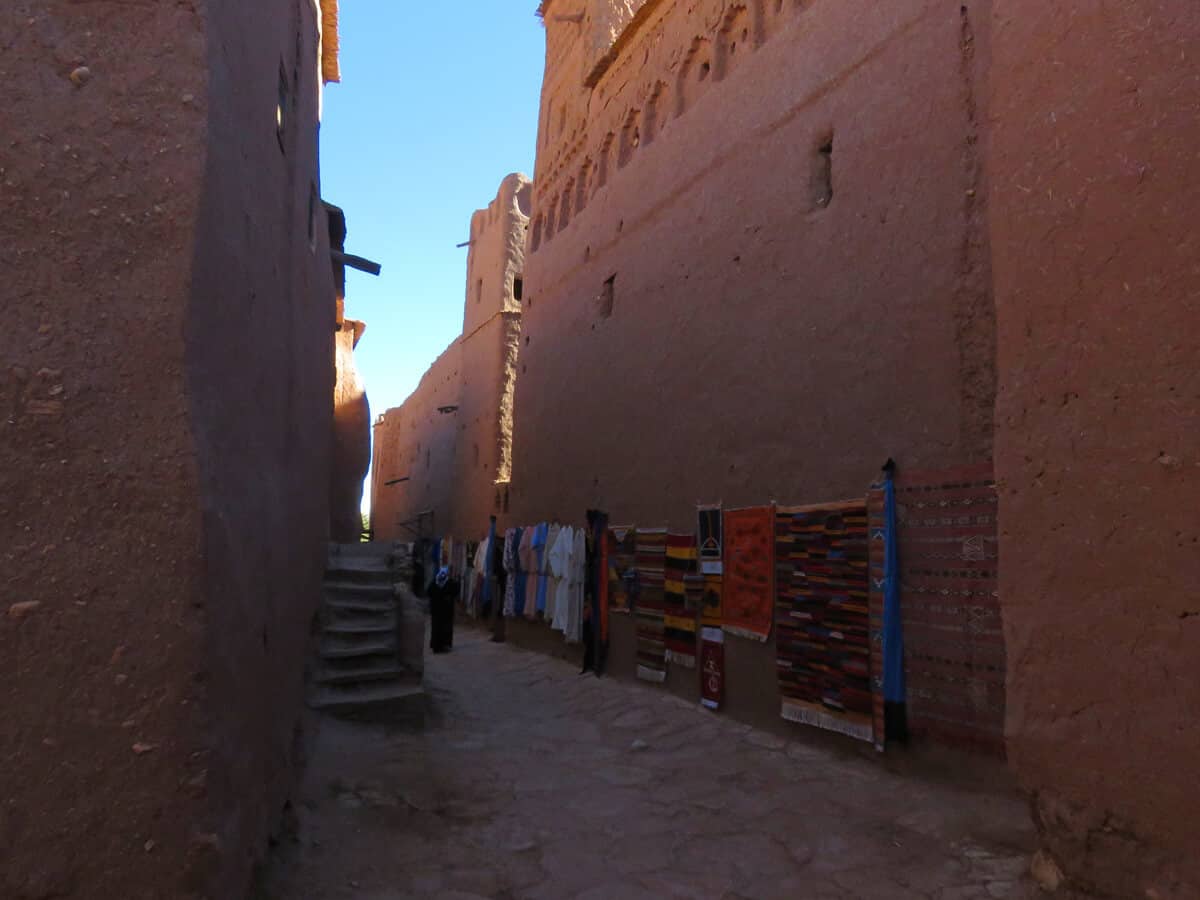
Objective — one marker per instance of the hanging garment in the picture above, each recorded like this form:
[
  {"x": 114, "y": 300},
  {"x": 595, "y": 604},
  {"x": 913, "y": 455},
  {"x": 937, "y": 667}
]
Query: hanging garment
[
  {"x": 489, "y": 564},
  {"x": 550, "y": 585},
  {"x": 576, "y": 573},
  {"x": 510, "y": 569},
  {"x": 529, "y": 571},
  {"x": 500, "y": 589},
  {"x": 478, "y": 577},
  {"x": 560, "y": 569},
  {"x": 518, "y": 572},
  {"x": 542, "y": 547}
]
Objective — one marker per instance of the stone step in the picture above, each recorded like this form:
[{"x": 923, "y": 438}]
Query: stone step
[
  {"x": 350, "y": 647},
  {"x": 358, "y": 588},
  {"x": 350, "y": 603},
  {"x": 401, "y": 699},
  {"x": 334, "y": 613},
  {"x": 358, "y": 564},
  {"x": 382, "y": 669},
  {"x": 362, "y": 548},
  {"x": 342, "y": 649},
  {"x": 377, "y": 625}
]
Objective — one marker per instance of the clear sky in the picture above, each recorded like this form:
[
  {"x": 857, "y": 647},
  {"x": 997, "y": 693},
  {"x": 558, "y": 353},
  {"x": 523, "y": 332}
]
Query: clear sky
[{"x": 436, "y": 105}]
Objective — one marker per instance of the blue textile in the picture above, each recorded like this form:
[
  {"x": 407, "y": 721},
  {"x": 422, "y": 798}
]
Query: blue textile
[{"x": 539, "y": 543}]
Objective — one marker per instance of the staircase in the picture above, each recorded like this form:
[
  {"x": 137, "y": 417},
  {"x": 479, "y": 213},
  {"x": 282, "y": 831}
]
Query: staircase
[{"x": 371, "y": 650}]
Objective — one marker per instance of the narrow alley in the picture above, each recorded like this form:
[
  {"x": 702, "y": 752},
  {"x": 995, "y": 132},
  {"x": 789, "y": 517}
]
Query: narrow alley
[{"x": 530, "y": 781}]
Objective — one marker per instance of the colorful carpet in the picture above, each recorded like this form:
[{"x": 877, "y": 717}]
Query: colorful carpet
[
  {"x": 709, "y": 529},
  {"x": 747, "y": 593},
  {"x": 679, "y": 563},
  {"x": 823, "y": 644},
  {"x": 622, "y": 558},
  {"x": 648, "y": 604},
  {"x": 679, "y": 633},
  {"x": 693, "y": 591},
  {"x": 711, "y": 612},
  {"x": 712, "y": 667}
]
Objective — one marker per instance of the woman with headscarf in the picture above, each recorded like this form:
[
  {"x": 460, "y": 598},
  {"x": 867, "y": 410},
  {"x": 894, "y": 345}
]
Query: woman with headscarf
[{"x": 441, "y": 611}]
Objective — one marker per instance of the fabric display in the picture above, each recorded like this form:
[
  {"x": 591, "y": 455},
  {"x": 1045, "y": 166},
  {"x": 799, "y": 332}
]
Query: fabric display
[
  {"x": 711, "y": 612},
  {"x": 528, "y": 559},
  {"x": 576, "y": 577},
  {"x": 712, "y": 667},
  {"x": 823, "y": 644},
  {"x": 551, "y": 581},
  {"x": 649, "y": 609},
  {"x": 560, "y": 570},
  {"x": 510, "y": 569},
  {"x": 603, "y": 603},
  {"x": 622, "y": 558},
  {"x": 480, "y": 581},
  {"x": 679, "y": 623},
  {"x": 747, "y": 595},
  {"x": 541, "y": 546},
  {"x": 484, "y": 570},
  {"x": 709, "y": 530},
  {"x": 693, "y": 592}
]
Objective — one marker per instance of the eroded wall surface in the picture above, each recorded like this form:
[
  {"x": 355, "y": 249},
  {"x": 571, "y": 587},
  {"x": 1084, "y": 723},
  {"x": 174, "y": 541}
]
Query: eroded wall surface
[
  {"x": 165, "y": 382},
  {"x": 1096, "y": 185},
  {"x": 758, "y": 262},
  {"x": 451, "y": 440}
]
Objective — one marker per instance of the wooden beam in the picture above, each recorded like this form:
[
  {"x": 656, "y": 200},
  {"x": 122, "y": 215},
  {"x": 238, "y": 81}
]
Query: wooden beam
[{"x": 356, "y": 262}]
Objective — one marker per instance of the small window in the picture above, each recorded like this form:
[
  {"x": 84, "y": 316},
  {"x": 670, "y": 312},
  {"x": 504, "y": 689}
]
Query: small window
[
  {"x": 281, "y": 107},
  {"x": 479, "y": 291},
  {"x": 518, "y": 289}
]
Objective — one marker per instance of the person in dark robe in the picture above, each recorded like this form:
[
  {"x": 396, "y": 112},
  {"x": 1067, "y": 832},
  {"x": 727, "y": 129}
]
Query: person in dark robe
[{"x": 441, "y": 611}]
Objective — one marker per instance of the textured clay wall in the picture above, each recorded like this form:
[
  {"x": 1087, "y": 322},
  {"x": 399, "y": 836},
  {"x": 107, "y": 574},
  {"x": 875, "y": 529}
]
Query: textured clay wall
[
  {"x": 260, "y": 374},
  {"x": 417, "y": 443},
  {"x": 1096, "y": 187},
  {"x": 459, "y": 462},
  {"x": 763, "y": 338},
  {"x": 101, "y": 618},
  {"x": 758, "y": 268},
  {"x": 167, "y": 365},
  {"x": 351, "y": 437}
]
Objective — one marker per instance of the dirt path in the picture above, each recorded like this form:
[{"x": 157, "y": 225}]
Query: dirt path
[{"x": 534, "y": 782}]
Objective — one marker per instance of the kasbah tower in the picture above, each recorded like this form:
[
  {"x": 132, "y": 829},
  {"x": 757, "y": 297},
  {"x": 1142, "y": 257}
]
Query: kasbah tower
[{"x": 772, "y": 244}]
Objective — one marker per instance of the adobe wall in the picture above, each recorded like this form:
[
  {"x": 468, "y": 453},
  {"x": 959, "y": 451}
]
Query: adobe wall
[
  {"x": 165, "y": 383},
  {"x": 458, "y": 462},
  {"x": 351, "y": 437},
  {"x": 101, "y": 619},
  {"x": 771, "y": 332},
  {"x": 260, "y": 375},
  {"x": 1096, "y": 183},
  {"x": 783, "y": 342},
  {"x": 417, "y": 443}
]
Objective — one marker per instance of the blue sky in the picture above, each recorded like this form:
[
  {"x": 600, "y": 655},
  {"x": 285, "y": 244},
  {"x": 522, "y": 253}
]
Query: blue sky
[{"x": 435, "y": 107}]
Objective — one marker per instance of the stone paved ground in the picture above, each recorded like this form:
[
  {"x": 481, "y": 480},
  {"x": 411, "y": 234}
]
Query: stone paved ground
[{"x": 533, "y": 782}]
